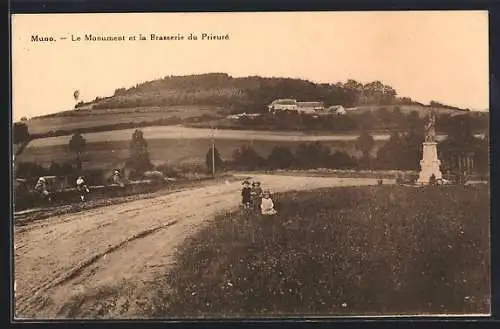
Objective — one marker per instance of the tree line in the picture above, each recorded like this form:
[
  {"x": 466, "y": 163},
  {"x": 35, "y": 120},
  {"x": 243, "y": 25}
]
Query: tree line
[
  {"x": 382, "y": 119},
  {"x": 138, "y": 161},
  {"x": 249, "y": 93},
  {"x": 403, "y": 151},
  {"x": 379, "y": 120}
]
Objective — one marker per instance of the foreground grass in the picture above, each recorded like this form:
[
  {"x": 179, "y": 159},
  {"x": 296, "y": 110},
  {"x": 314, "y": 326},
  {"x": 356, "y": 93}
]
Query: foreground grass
[{"x": 343, "y": 251}]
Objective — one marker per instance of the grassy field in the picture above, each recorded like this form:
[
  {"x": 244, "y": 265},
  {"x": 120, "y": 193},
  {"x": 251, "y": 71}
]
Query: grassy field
[
  {"x": 109, "y": 154},
  {"x": 89, "y": 118},
  {"x": 86, "y": 118},
  {"x": 344, "y": 251},
  {"x": 181, "y": 132}
]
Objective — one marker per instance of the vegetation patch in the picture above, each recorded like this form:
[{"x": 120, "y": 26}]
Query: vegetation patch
[{"x": 342, "y": 251}]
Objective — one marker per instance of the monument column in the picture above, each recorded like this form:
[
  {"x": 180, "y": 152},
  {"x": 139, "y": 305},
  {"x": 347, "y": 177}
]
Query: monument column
[{"x": 430, "y": 164}]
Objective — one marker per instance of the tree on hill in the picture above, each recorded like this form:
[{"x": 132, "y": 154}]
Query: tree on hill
[
  {"x": 482, "y": 157},
  {"x": 353, "y": 85},
  {"x": 342, "y": 160},
  {"x": 461, "y": 142},
  {"x": 412, "y": 148},
  {"x": 30, "y": 171},
  {"x": 414, "y": 123},
  {"x": 77, "y": 145},
  {"x": 251, "y": 93},
  {"x": 439, "y": 104},
  {"x": 313, "y": 155},
  {"x": 247, "y": 158},
  {"x": 459, "y": 128},
  {"x": 365, "y": 144},
  {"x": 20, "y": 133},
  {"x": 209, "y": 160},
  {"x": 389, "y": 156},
  {"x": 138, "y": 160},
  {"x": 367, "y": 120},
  {"x": 281, "y": 157}
]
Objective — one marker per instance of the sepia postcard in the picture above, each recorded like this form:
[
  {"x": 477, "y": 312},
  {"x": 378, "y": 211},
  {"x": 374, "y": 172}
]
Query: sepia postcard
[{"x": 250, "y": 165}]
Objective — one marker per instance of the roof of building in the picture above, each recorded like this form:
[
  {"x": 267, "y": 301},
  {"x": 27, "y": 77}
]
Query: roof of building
[
  {"x": 310, "y": 104},
  {"x": 285, "y": 101}
]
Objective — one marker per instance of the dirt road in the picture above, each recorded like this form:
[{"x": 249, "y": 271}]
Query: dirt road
[{"x": 102, "y": 263}]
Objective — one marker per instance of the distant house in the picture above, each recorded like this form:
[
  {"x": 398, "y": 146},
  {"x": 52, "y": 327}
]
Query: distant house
[
  {"x": 310, "y": 107},
  {"x": 293, "y": 105},
  {"x": 337, "y": 109},
  {"x": 283, "y": 104}
]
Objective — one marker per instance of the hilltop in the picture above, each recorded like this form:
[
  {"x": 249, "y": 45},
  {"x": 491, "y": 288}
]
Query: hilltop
[
  {"x": 208, "y": 99},
  {"x": 248, "y": 93}
]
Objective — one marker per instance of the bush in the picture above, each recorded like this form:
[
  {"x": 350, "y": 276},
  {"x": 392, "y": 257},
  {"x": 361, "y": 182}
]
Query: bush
[
  {"x": 30, "y": 171},
  {"x": 432, "y": 179},
  {"x": 341, "y": 160},
  {"x": 191, "y": 168},
  {"x": 93, "y": 177},
  {"x": 281, "y": 157},
  {"x": 247, "y": 158},
  {"x": 168, "y": 170},
  {"x": 312, "y": 155},
  {"x": 153, "y": 176}
]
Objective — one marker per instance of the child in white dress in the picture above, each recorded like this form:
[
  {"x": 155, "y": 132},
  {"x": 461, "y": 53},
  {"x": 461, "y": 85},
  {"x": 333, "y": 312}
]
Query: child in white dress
[{"x": 267, "y": 204}]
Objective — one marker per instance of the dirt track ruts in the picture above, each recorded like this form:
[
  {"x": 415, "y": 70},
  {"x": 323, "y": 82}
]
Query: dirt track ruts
[{"x": 99, "y": 263}]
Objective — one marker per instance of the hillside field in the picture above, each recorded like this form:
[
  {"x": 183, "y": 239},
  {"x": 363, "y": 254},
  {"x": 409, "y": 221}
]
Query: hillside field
[
  {"x": 180, "y": 145},
  {"x": 193, "y": 115},
  {"x": 87, "y": 118},
  {"x": 109, "y": 154}
]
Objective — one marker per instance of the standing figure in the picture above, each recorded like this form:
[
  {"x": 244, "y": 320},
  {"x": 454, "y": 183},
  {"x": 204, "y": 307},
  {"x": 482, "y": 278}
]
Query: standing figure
[
  {"x": 246, "y": 197},
  {"x": 256, "y": 195},
  {"x": 267, "y": 204},
  {"x": 117, "y": 178},
  {"x": 82, "y": 188},
  {"x": 430, "y": 127},
  {"x": 42, "y": 188}
]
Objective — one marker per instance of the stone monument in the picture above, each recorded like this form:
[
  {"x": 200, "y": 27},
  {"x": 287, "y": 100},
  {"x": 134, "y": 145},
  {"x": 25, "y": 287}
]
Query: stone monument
[{"x": 429, "y": 165}]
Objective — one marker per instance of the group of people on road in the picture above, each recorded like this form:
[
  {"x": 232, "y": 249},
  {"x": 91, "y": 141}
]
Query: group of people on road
[
  {"x": 256, "y": 199},
  {"x": 44, "y": 189}
]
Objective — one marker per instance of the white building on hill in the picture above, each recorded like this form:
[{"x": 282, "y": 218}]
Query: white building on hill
[
  {"x": 310, "y": 107},
  {"x": 293, "y": 105},
  {"x": 283, "y": 104}
]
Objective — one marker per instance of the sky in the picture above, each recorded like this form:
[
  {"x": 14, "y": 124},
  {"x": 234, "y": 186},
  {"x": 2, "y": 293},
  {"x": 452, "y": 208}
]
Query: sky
[{"x": 425, "y": 55}]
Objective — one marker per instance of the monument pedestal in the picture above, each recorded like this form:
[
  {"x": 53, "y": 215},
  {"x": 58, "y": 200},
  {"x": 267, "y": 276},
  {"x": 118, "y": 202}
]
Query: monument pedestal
[{"x": 429, "y": 164}]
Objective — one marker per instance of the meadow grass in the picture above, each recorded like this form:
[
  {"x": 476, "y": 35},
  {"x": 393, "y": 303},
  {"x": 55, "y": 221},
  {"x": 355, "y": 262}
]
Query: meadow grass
[
  {"x": 340, "y": 251},
  {"x": 87, "y": 118},
  {"x": 109, "y": 154}
]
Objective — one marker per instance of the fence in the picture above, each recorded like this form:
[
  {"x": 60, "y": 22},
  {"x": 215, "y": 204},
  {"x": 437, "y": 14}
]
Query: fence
[{"x": 28, "y": 199}]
